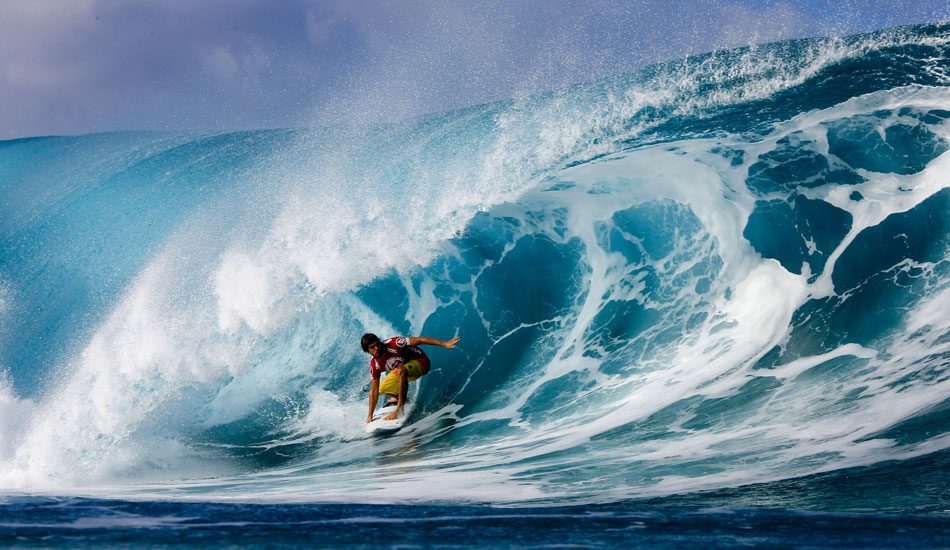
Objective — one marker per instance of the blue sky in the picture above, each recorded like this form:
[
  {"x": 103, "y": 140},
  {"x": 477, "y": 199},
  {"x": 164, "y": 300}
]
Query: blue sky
[{"x": 81, "y": 66}]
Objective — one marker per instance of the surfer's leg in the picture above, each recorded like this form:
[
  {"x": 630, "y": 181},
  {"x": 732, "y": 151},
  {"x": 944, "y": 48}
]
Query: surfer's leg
[
  {"x": 396, "y": 383},
  {"x": 390, "y": 384},
  {"x": 403, "y": 391}
]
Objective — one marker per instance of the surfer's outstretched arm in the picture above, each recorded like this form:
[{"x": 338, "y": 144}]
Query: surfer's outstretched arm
[
  {"x": 449, "y": 344},
  {"x": 373, "y": 398}
]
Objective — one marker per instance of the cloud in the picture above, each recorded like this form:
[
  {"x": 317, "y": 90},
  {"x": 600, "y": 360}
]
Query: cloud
[{"x": 97, "y": 65}]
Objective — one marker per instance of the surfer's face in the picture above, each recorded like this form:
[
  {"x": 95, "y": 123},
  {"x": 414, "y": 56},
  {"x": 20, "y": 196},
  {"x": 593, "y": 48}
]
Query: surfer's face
[{"x": 375, "y": 349}]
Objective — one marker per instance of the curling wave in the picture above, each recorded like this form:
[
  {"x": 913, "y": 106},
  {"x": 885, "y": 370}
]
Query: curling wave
[{"x": 724, "y": 270}]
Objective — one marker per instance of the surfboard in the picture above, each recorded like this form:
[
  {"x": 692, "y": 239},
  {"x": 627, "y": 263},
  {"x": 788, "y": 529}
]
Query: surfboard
[{"x": 378, "y": 425}]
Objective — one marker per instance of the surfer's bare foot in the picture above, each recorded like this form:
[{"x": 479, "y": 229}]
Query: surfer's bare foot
[{"x": 392, "y": 415}]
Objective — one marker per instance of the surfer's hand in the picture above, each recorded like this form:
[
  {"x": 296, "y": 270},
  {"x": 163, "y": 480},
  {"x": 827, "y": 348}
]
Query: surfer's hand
[{"x": 451, "y": 343}]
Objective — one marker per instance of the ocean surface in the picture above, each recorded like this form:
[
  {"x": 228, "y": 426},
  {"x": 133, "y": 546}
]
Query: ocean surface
[{"x": 703, "y": 303}]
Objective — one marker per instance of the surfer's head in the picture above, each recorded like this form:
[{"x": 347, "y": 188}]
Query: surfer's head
[{"x": 371, "y": 344}]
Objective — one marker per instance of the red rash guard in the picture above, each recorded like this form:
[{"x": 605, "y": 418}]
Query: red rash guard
[{"x": 398, "y": 352}]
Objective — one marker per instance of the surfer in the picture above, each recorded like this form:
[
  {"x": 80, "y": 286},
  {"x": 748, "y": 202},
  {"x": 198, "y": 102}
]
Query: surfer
[{"x": 403, "y": 360}]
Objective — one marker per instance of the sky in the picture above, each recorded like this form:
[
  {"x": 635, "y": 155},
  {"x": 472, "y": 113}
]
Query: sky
[{"x": 84, "y": 66}]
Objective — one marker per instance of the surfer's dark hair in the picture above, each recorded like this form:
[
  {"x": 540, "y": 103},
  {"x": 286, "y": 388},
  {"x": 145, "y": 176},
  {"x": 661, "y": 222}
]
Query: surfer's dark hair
[{"x": 368, "y": 339}]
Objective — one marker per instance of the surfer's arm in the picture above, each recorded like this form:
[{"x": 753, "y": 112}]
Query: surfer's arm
[
  {"x": 373, "y": 398},
  {"x": 416, "y": 340}
]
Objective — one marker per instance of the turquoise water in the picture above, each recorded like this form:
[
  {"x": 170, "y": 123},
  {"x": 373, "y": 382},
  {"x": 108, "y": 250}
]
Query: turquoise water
[{"x": 717, "y": 282}]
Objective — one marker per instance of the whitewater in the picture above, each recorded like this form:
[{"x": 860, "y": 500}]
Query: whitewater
[{"x": 724, "y": 278}]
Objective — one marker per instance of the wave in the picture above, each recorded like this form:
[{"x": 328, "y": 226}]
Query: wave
[{"x": 723, "y": 270}]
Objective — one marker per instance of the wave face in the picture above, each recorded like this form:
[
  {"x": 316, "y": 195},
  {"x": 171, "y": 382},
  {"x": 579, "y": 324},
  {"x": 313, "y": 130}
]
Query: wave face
[{"x": 727, "y": 270}]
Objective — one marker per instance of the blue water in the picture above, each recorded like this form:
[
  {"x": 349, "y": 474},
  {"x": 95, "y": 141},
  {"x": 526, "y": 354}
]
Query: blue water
[
  {"x": 698, "y": 299},
  {"x": 76, "y": 523}
]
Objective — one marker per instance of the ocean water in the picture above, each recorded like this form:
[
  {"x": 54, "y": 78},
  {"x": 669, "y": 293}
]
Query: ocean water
[{"x": 701, "y": 303}]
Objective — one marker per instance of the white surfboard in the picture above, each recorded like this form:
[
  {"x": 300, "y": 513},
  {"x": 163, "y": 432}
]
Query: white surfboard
[{"x": 378, "y": 425}]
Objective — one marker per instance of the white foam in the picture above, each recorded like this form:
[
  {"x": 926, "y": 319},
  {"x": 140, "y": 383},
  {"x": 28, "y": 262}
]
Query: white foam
[
  {"x": 330, "y": 416},
  {"x": 245, "y": 294},
  {"x": 14, "y": 420}
]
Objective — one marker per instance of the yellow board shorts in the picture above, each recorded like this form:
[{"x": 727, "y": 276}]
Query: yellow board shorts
[{"x": 390, "y": 384}]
